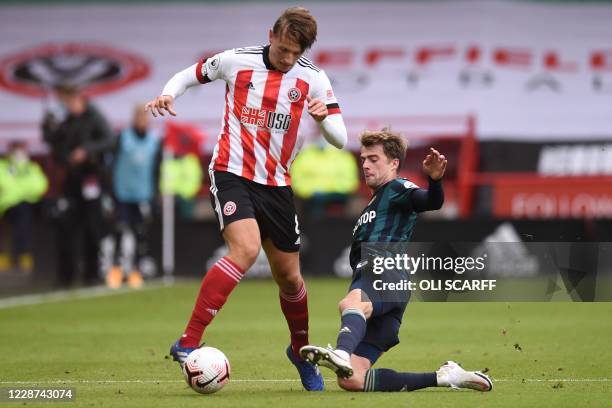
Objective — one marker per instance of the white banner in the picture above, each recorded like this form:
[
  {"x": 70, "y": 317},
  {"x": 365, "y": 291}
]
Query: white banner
[{"x": 524, "y": 70}]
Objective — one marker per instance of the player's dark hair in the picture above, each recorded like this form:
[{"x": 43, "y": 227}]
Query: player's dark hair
[
  {"x": 299, "y": 25},
  {"x": 394, "y": 145}
]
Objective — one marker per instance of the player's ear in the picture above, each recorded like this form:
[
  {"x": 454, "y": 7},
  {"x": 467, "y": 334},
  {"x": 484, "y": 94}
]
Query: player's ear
[
  {"x": 270, "y": 35},
  {"x": 395, "y": 165}
]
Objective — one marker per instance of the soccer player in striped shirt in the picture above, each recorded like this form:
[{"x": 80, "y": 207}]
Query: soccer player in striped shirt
[
  {"x": 270, "y": 90},
  {"x": 370, "y": 321}
]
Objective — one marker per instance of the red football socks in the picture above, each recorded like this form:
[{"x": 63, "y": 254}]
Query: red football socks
[
  {"x": 216, "y": 286},
  {"x": 295, "y": 309}
]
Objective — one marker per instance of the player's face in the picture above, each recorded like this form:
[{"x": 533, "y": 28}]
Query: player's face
[
  {"x": 284, "y": 52},
  {"x": 378, "y": 169}
]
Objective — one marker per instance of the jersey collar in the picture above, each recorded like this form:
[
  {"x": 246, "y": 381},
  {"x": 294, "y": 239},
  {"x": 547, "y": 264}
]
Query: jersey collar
[
  {"x": 382, "y": 186},
  {"x": 266, "y": 58}
]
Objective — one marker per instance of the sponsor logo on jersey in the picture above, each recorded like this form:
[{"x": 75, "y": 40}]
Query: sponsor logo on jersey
[
  {"x": 330, "y": 94},
  {"x": 229, "y": 208},
  {"x": 365, "y": 218},
  {"x": 96, "y": 69},
  {"x": 265, "y": 119},
  {"x": 294, "y": 94}
]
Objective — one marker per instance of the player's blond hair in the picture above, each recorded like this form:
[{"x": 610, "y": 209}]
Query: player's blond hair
[
  {"x": 299, "y": 25},
  {"x": 394, "y": 144}
]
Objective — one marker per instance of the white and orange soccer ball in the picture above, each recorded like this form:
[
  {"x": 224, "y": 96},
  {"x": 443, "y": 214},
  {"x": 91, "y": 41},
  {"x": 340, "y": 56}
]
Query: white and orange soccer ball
[{"x": 206, "y": 370}]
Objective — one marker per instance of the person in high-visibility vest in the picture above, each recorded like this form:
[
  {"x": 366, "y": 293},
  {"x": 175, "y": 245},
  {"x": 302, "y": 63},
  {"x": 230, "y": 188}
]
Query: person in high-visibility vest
[
  {"x": 181, "y": 176},
  {"x": 22, "y": 183},
  {"x": 324, "y": 175}
]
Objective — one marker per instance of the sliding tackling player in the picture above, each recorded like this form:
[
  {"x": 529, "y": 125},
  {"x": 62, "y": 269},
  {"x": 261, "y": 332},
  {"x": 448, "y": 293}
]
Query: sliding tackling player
[{"x": 370, "y": 323}]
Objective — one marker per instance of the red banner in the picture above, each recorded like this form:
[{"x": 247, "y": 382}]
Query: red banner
[{"x": 552, "y": 197}]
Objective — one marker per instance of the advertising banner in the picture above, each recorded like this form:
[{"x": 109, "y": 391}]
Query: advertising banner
[{"x": 525, "y": 70}]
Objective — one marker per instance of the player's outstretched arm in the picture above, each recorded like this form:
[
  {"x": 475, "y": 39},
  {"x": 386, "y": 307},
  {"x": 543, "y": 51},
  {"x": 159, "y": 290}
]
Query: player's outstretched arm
[
  {"x": 175, "y": 87},
  {"x": 429, "y": 199}
]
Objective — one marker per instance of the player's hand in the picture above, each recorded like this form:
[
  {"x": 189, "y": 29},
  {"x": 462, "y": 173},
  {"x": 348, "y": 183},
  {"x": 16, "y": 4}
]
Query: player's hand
[
  {"x": 161, "y": 103},
  {"x": 434, "y": 164},
  {"x": 316, "y": 108}
]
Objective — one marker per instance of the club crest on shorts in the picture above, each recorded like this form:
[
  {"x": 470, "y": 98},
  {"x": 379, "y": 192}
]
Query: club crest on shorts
[
  {"x": 229, "y": 208},
  {"x": 294, "y": 94}
]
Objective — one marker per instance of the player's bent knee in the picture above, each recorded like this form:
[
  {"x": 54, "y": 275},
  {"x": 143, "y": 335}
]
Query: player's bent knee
[
  {"x": 290, "y": 282},
  {"x": 343, "y": 305},
  {"x": 351, "y": 302},
  {"x": 367, "y": 309},
  {"x": 245, "y": 253},
  {"x": 348, "y": 302},
  {"x": 355, "y": 383},
  {"x": 243, "y": 240},
  {"x": 285, "y": 268}
]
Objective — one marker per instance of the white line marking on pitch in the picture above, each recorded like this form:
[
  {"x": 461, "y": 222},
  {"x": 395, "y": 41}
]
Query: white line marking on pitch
[
  {"x": 74, "y": 294},
  {"x": 278, "y": 380}
]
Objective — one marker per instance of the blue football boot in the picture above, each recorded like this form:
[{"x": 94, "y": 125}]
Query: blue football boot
[{"x": 311, "y": 377}]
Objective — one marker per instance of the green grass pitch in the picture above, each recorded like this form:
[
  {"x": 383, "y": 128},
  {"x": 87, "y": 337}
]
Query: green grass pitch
[{"x": 112, "y": 350}]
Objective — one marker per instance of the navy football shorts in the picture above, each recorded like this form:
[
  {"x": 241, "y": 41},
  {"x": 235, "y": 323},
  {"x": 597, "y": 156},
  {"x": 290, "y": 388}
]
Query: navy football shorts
[{"x": 382, "y": 330}]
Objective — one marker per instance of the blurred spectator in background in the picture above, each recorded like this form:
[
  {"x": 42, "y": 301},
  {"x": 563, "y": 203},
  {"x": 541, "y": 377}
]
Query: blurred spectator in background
[
  {"x": 181, "y": 169},
  {"x": 22, "y": 183},
  {"x": 135, "y": 175},
  {"x": 181, "y": 176},
  {"x": 323, "y": 175},
  {"x": 79, "y": 143}
]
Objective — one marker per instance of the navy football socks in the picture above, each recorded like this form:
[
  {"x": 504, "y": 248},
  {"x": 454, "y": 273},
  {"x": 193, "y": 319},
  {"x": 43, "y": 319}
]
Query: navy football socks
[
  {"x": 384, "y": 379},
  {"x": 352, "y": 330}
]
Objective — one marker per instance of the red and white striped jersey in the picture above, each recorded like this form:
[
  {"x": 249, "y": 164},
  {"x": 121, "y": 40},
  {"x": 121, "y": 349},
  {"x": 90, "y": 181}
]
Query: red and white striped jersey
[{"x": 264, "y": 108}]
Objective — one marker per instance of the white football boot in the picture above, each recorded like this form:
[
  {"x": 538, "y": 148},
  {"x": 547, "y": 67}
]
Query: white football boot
[
  {"x": 450, "y": 374},
  {"x": 339, "y": 361}
]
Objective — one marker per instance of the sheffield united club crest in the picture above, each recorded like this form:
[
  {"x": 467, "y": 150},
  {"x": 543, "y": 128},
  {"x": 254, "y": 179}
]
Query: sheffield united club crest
[{"x": 294, "y": 94}]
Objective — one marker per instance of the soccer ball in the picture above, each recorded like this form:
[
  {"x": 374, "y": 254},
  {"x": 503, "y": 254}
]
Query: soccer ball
[{"x": 206, "y": 370}]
